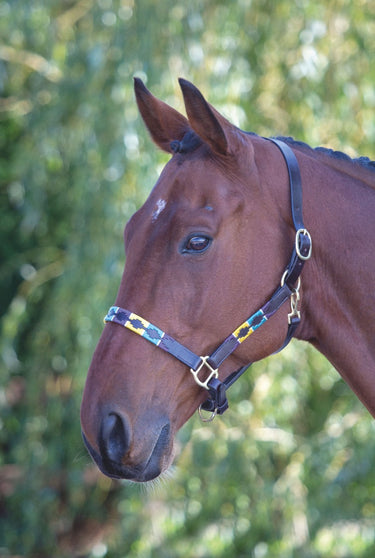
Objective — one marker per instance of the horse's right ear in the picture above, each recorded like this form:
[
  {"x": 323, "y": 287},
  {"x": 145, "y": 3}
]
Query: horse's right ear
[{"x": 163, "y": 122}]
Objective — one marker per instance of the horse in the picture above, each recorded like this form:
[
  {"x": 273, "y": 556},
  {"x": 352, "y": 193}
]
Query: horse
[{"x": 226, "y": 234}]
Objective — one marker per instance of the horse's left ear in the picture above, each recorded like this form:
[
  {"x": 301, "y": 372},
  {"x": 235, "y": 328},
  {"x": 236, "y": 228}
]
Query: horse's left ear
[
  {"x": 163, "y": 122},
  {"x": 206, "y": 121}
]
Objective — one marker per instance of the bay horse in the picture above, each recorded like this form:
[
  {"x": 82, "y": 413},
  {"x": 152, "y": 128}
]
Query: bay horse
[{"x": 225, "y": 235}]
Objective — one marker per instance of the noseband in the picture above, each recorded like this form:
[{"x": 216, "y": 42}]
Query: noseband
[{"x": 217, "y": 401}]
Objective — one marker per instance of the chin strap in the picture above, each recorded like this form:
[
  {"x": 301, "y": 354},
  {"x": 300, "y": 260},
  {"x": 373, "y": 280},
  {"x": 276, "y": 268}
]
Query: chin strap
[{"x": 205, "y": 368}]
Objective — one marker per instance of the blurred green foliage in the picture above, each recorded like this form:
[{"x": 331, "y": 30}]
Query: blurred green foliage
[{"x": 288, "y": 472}]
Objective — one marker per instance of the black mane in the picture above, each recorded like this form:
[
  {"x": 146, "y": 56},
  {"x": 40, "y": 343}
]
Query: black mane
[
  {"x": 191, "y": 141},
  {"x": 363, "y": 161}
]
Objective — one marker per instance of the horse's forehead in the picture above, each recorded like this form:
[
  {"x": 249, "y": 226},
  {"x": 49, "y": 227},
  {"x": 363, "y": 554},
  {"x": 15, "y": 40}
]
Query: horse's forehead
[
  {"x": 187, "y": 190},
  {"x": 192, "y": 181}
]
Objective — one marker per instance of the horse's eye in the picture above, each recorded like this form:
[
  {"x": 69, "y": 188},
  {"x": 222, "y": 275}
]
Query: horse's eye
[{"x": 196, "y": 244}]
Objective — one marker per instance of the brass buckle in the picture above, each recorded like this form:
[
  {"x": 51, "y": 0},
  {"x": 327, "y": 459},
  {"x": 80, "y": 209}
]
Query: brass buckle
[
  {"x": 294, "y": 299},
  {"x": 305, "y": 232},
  {"x": 294, "y": 312},
  {"x": 213, "y": 372}
]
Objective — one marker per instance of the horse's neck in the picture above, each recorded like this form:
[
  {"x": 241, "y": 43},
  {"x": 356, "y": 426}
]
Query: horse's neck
[{"x": 339, "y": 282}]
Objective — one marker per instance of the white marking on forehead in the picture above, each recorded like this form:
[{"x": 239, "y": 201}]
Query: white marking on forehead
[{"x": 160, "y": 206}]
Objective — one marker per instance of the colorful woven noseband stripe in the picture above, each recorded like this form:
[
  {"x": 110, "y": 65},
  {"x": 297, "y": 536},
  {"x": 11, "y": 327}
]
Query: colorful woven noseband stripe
[
  {"x": 155, "y": 335},
  {"x": 135, "y": 323}
]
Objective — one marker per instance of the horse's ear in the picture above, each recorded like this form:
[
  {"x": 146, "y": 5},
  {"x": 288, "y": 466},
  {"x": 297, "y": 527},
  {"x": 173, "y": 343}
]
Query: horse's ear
[
  {"x": 204, "y": 119},
  {"x": 163, "y": 122}
]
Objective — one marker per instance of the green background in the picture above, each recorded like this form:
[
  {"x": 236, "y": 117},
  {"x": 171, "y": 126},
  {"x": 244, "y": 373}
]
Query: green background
[{"x": 289, "y": 470}]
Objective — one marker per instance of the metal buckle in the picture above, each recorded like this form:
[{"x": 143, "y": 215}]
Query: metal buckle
[
  {"x": 294, "y": 312},
  {"x": 213, "y": 372},
  {"x": 209, "y": 418},
  {"x": 282, "y": 282},
  {"x": 294, "y": 299},
  {"x": 305, "y": 232}
]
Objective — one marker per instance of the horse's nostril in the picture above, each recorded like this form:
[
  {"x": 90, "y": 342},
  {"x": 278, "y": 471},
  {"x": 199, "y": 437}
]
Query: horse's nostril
[{"x": 114, "y": 437}]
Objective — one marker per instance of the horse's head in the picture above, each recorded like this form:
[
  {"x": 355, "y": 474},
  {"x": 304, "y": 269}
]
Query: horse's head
[{"x": 203, "y": 253}]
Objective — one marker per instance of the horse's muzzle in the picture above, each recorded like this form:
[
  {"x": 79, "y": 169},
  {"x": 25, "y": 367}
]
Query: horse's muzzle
[{"x": 114, "y": 443}]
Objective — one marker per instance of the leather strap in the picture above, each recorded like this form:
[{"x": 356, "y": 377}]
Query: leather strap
[
  {"x": 295, "y": 182},
  {"x": 153, "y": 334}
]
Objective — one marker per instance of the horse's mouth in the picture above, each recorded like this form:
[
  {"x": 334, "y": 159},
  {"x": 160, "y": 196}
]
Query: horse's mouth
[{"x": 158, "y": 461}]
